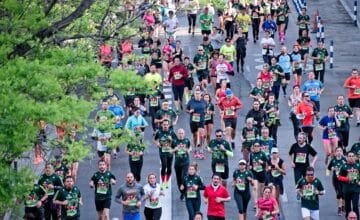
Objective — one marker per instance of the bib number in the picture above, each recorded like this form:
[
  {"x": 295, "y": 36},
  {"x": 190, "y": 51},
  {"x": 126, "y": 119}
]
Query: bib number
[
  {"x": 195, "y": 117},
  {"x": 229, "y": 112},
  {"x": 357, "y": 91},
  {"x": 219, "y": 168},
  {"x": 319, "y": 67},
  {"x": 300, "y": 158}
]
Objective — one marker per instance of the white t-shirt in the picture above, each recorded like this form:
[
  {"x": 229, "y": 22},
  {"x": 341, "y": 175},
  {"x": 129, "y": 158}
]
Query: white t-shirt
[
  {"x": 221, "y": 69},
  {"x": 268, "y": 41},
  {"x": 154, "y": 194},
  {"x": 100, "y": 146},
  {"x": 170, "y": 24}
]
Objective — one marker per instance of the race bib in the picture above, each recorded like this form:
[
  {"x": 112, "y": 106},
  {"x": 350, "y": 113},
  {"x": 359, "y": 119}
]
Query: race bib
[
  {"x": 102, "y": 188},
  {"x": 305, "y": 47},
  {"x": 30, "y": 201},
  {"x": 319, "y": 67},
  {"x": 255, "y": 16},
  {"x": 331, "y": 133},
  {"x": 135, "y": 158},
  {"x": 308, "y": 190},
  {"x": 282, "y": 18},
  {"x": 267, "y": 217},
  {"x": 300, "y": 158},
  {"x": 302, "y": 26},
  {"x": 229, "y": 112},
  {"x": 207, "y": 117},
  {"x": 258, "y": 168},
  {"x": 275, "y": 173},
  {"x": 132, "y": 202},
  {"x": 353, "y": 176},
  {"x": 154, "y": 102},
  {"x": 195, "y": 117},
  {"x": 266, "y": 85},
  {"x": 190, "y": 193},
  {"x": 71, "y": 210},
  {"x": 240, "y": 185},
  {"x": 219, "y": 168},
  {"x": 177, "y": 76},
  {"x": 165, "y": 149},
  {"x": 154, "y": 202},
  {"x": 357, "y": 91}
]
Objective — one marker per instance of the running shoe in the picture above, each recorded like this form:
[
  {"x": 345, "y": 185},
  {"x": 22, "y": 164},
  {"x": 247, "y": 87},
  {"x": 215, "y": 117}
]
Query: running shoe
[
  {"x": 201, "y": 156},
  {"x": 182, "y": 197},
  {"x": 196, "y": 155},
  {"x": 339, "y": 212}
]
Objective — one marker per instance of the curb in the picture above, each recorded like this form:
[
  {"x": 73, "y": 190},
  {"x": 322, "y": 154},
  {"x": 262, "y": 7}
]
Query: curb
[{"x": 349, "y": 11}]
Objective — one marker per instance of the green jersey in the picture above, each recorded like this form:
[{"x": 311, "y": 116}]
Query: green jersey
[
  {"x": 102, "y": 182},
  {"x": 250, "y": 135},
  {"x": 135, "y": 147},
  {"x": 322, "y": 53},
  {"x": 351, "y": 171},
  {"x": 303, "y": 18},
  {"x": 73, "y": 196},
  {"x": 34, "y": 196},
  {"x": 336, "y": 164},
  {"x": 276, "y": 78},
  {"x": 206, "y": 22},
  {"x": 356, "y": 148},
  {"x": 168, "y": 114},
  {"x": 229, "y": 52},
  {"x": 181, "y": 155},
  {"x": 165, "y": 139},
  {"x": 54, "y": 180},
  {"x": 304, "y": 43},
  {"x": 242, "y": 180},
  {"x": 201, "y": 62},
  {"x": 344, "y": 121},
  {"x": 188, "y": 182},
  {"x": 258, "y": 161},
  {"x": 310, "y": 199},
  {"x": 208, "y": 49},
  {"x": 266, "y": 144},
  {"x": 217, "y": 155}
]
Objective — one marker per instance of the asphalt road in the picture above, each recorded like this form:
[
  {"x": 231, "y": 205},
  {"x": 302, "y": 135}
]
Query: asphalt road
[{"x": 241, "y": 84}]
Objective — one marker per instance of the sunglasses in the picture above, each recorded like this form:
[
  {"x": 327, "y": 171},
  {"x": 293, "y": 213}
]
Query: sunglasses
[
  {"x": 218, "y": 136},
  {"x": 306, "y": 96},
  {"x": 309, "y": 174}
]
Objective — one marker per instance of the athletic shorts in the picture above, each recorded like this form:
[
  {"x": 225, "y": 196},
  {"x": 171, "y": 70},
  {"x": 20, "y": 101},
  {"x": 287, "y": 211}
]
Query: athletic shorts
[
  {"x": 189, "y": 83},
  {"x": 224, "y": 175},
  {"x": 203, "y": 76},
  {"x": 102, "y": 204},
  {"x": 287, "y": 76},
  {"x": 194, "y": 126},
  {"x": 303, "y": 52},
  {"x": 131, "y": 216},
  {"x": 207, "y": 32},
  {"x": 209, "y": 122},
  {"x": 230, "y": 122},
  {"x": 354, "y": 103},
  {"x": 297, "y": 72},
  {"x": 259, "y": 176},
  {"x": 313, "y": 214}
]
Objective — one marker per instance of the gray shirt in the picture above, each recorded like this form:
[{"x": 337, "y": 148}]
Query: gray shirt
[
  {"x": 216, "y": 41},
  {"x": 133, "y": 193}
]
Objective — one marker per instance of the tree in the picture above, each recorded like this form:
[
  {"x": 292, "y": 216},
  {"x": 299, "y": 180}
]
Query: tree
[{"x": 50, "y": 72}]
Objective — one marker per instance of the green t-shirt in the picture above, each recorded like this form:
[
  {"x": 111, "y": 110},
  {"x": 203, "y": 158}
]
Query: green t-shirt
[
  {"x": 208, "y": 49},
  {"x": 189, "y": 182},
  {"x": 305, "y": 18},
  {"x": 34, "y": 196},
  {"x": 276, "y": 70},
  {"x": 343, "y": 120},
  {"x": 219, "y": 156},
  {"x": 304, "y": 42},
  {"x": 250, "y": 136},
  {"x": 228, "y": 52},
  {"x": 169, "y": 114},
  {"x": 165, "y": 139},
  {"x": 352, "y": 172},
  {"x": 309, "y": 199},
  {"x": 322, "y": 53},
  {"x": 73, "y": 196},
  {"x": 356, "y": 148},
  {"x": 61, "y": 170},
  {"x": 208, "y": 21},
  {"x": 255, "y": 158},
  {"x": 102, "y": 185},
  {"x": 266, "y": 145},
  {"x": 242, "y": 181},
  {"x": 204, "y": 61},
  {"x": 181, "y": 155},
  {"x": 54, "y": 180},
  {"x": 135, "y": 147},
  {"x": 336, "y": 164}
]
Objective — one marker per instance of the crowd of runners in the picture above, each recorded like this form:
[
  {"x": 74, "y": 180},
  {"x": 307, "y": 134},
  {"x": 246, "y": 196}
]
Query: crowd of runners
[{"x": 202, "y": 87}]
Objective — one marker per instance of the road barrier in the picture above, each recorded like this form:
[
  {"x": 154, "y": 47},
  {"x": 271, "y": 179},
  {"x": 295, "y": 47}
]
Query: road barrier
[
  {"x": 318, "y": 33},
  {"x": 355, "y": 13},
  {"x": 322, "y": 33},
  {"x": 331, "y": 54}
]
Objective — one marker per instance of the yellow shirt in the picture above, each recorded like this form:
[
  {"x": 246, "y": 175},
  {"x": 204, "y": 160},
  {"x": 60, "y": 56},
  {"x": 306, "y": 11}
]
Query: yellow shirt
[
  {"x": 243, "y": 21},
  {"x": 153, "y": 79}
]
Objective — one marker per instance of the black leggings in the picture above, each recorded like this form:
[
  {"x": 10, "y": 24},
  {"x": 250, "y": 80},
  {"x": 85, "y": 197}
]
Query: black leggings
[
  {"x": 191, "y": 19},
  {"x": 320, "y": 74},
  {"x": 50, "y": 209},
  {"x": 242, "y": 200},
  {"x": 152, "y": 214},
  {"x": 180, "y": 171},
  {"x": 135, "y": 168},
  {"x": 295, "y": 123},
  {"x": 229, "y": 28},
  {"x": 352, "y": 198},
  {"x": 166, "y": 163},
  {"x": 299, "y": 173},
  {"x": 255, "y": 27},
  {"x": 240, "y": 57},
  {"x": 309, "y": 132},
  {"x": 273, "y": 131}
]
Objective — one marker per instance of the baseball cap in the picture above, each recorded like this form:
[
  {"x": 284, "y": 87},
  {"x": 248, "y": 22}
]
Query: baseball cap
[
  {"x": 200, "y": 48},
  {"x": 274, "y": 150},
  {"x": 228, "y": 92},
  {"x": 242, "y": 161}
]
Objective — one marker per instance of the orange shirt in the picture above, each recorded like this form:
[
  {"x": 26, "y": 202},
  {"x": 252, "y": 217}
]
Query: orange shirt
[
  {"x": 307, "y": 109},
  {"x": 225, "y": 105},
  {"x": 353, "y": 81}
]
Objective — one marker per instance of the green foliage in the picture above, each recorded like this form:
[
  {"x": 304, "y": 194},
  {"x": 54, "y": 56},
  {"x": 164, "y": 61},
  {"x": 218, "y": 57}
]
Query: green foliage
[
  {"x": 217, "y": 4},
  {"x": 127, "y": 80}
]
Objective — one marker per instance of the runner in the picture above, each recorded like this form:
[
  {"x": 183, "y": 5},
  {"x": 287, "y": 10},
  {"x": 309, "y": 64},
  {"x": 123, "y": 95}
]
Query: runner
[
  {"x": 314, "y": 88},
  {"x": 276, "y": 173},
  {"x": 222, "y": 69},
  {"x": 286, "y": 63},
  {"x": 303, "y": 21},
  {"x": 349, "y": 176},
  {"x": 196, "y": 107},
  {"x": 170, "y": 25},
  {"x": 163, "y": 140},
  {"x": 320, "y": 56},
  {"x": 152, "y": 192},
  {"x": 130, "y": 195},
  {"x": 268, "y": 25},
  {"x": 165, "y": 113},
  {"x": 240, "y": 45},
  {"x": 266, "y": 207},
  {"x": 299, "y": 157},
  {"x": 268, "y": 44},
  {"x": 181, "y": 148},
  {"x": 216, "y": 39},
  {"x": 265, "y": 76},
  {"x": 258, "y": 161},
  {"x": 206, "y": 21},
  {"x": 215, "y": 195},
  {"x": 356, "y": 149},
  {"x": 310, "y": 188},
  {"x": 201, "y": 61},
  {"x": 271, "y": 108},
  {"x": 189, "y": 82},
  {"x": 220, "y": 151},
  {"x": 297, "y": 65},
  {"x": 209, "y": 117},
  {"x": 255, "y": 20},
  {"x": 228, "y": 108},
  {"x": 135, "y": 149},
  {"x": 304, "y": 43},
  {"x": 334, "y": 165},
  {"x": 33, "y": 203},
  {"x": 69, "y": 198},
  {"x": 242, "y": 178},
  {"x": 278, "y": 75},
  {"x": 258, "y": 93},
  {"x": 257, "y": 114},
  {"x": 248, "y": 136},
  {"x": 51, "y": 183},
  {"x": 119, "y": 113},
  {"x": 136, "y": 121},
  {"x": 353, "y": 84},
  {"x": 281, "y": 15},
  {"x": 243, "y": 21},
  {"x": 266, "y": 142},
  {"x": 191, "y": 186},
  {"x": 102, "y": 181},
  {"x": 192, "y": 10},
  {"x": 229, "y": 16},
  {"x": 229, "y": 51},
  {"x": 178, "y": 75},
  {"x": 344, "y": 113},
  {"x": 293, "y": 101},
  {"x": 329, "y": 125}
]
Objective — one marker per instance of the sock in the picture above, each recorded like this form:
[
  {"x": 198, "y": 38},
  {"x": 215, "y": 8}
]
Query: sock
[{"x": 162, "y": 178}]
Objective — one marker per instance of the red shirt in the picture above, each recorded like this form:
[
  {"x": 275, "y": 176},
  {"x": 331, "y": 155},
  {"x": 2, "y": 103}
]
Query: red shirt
[
  {"x": 266, "y": 78},
  {"x": 225, "y": 105},
  {"x": 266, "y": 205},
  {"x": 353, "y": 81},
  {"x": 214, "y": 208},
  {"x": 178, "y": 74},
  {"x": 307, "y": 109}
]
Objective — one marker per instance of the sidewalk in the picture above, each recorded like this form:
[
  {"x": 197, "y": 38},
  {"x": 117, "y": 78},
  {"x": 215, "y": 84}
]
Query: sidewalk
[{"x": 349, "y": 7}]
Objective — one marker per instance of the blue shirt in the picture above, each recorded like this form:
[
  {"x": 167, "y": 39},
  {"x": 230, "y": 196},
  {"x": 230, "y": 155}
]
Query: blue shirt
[
  {"x": 133, "y": 122},
  {"x": 313, "y": 87},
  {"x": 269, "y": 25},
  {"x": 296, "y": 57},
  {"x": 199, "y": 108},
  {"x": 284, "y": 60},
  {"x": 330, "y": 124},
  {"x": 118, "y": 111}
]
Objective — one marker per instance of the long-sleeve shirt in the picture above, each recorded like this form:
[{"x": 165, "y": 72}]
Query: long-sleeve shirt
[{"x": 178, "y": 75}]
